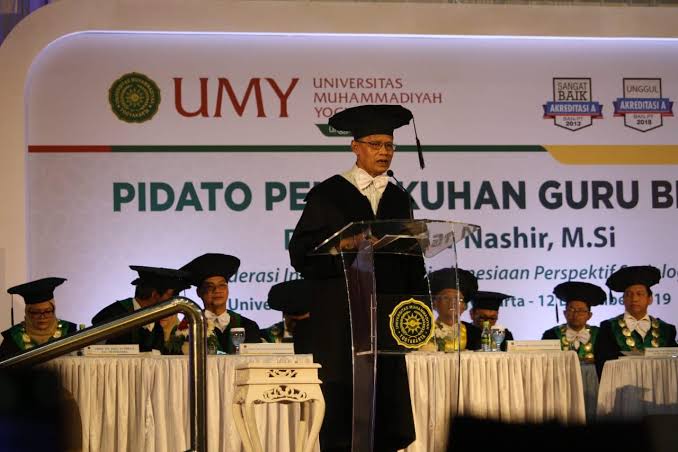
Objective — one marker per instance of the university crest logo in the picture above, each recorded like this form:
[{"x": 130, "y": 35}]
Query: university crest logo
[
  {"x": 572, "y": 107},
  {"x": 134, "y": 98},
  {"x": 411, "y": 323},
  {"x": 643, "y": 106}
]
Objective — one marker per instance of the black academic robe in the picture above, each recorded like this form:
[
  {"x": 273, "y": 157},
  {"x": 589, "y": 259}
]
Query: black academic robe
[
  {"x": 252, "y": 333},
  {"x": 147, "y": 340},
  {"x": 329, "y": 207},
  {"x": 472, "y": 336},
  {"x": 612, "y": 340},
  {"x": 301, "y": 337},
  {"x": 508, "y": 336},
  {"x": 13, "y": 344}
]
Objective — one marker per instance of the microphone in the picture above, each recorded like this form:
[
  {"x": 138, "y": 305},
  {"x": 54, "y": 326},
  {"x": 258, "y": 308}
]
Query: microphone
[{"x": 399, "y": 184}]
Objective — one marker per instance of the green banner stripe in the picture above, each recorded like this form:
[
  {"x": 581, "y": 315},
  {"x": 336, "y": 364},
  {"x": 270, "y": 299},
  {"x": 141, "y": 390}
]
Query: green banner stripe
[{"x": 321, "y": 148}]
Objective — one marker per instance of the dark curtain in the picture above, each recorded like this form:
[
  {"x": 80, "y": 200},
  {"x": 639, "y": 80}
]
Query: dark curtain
[{"x": 12, "y": 11}]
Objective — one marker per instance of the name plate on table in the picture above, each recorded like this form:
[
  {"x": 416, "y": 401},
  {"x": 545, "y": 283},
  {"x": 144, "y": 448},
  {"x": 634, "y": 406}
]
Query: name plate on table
[
  {"x": 661, "y": 352},
  {"x": 266, "y": 348},
  {"x": 111, "y": 349},
  {"x": 546, "y": 345}
]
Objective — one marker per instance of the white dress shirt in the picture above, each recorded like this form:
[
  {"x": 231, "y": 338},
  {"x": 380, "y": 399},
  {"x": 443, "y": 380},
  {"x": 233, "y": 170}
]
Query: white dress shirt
[
  {"x": 371, "y": 187},
  {"x": 137, "y": 306},
  {"x": 642, "y": 326},
  {"x": 578, "y": 338},
  {"x": 220, "y": 321}
]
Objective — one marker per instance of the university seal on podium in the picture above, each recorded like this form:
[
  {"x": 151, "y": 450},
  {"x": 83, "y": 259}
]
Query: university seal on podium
[
  {"x": 411, "y": 323},
  {"x": 134, "y": 97}
]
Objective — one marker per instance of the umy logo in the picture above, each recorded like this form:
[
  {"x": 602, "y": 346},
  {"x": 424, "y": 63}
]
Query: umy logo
[{"x": 135, "y": 97}]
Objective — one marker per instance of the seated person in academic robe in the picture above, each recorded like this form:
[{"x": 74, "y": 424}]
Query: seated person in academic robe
[
  {"x": 154, "y": 285},
  {"x": 576, "y": 334},
  {"x": 634, "y": 330},
  {"x": 449, "y": 301},
  {"x": 293, "y": 298},
  {"x": 210, "y": 273},
  {"x": 41, "y": 324},
  {"x": 485, "y": 308}
]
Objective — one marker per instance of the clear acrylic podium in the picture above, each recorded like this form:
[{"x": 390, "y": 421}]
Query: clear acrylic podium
[{"x": 383, "y": 322}]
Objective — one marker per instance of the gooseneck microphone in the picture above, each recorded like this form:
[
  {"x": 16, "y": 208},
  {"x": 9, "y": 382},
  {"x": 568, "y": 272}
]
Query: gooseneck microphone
[{"x": 399, "y": 184}]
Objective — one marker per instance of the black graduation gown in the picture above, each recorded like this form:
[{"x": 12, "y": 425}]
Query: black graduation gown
[
  {"x": 607, "y": 345},
  {"x": 329, "y": 207},
  {"x": 147, "y": 340},
  {"x": 472, "y": 336},
  {"x": 508, "y": 336},
  {"x": 9, "y": 347},
  {"x": 252, "y": 333}
]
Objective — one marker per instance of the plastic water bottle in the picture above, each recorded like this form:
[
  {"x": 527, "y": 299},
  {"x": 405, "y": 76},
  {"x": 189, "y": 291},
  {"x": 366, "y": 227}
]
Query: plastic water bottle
[{"x": 486, "y": 337}]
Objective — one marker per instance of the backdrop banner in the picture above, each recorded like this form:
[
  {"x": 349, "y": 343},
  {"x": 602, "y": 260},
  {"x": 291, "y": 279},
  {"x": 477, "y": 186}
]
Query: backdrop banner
[{"x": 153, "y": 148}]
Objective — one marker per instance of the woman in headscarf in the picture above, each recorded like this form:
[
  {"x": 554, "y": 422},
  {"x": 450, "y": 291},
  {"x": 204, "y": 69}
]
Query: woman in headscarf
[{"x": 41, "y": 324}]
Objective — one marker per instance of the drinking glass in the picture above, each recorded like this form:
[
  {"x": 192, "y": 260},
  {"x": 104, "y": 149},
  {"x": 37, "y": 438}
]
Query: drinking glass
[
  {"x": 237, "y": 337},
  {"x": 498, "y": 337}
]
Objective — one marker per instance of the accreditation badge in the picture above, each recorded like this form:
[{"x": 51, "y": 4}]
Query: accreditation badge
[{"x": 411, "y": 323}]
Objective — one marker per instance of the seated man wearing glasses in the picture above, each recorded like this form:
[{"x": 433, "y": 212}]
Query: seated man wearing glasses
[
  {"x": 634, "y": 330},
  {"x": 449, "y": 301},
  {"x": 41, "y": 324},
  {"x": 210, "y": 273},
  {"x": 576, "y": 334}
]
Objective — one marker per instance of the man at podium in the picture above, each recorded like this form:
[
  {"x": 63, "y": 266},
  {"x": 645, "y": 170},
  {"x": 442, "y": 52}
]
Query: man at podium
[{"x": 363, "y": 193}]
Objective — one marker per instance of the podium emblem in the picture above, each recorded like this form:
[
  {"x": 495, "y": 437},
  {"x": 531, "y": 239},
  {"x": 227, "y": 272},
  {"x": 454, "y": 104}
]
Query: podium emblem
[{"x": 411, "y": 323}]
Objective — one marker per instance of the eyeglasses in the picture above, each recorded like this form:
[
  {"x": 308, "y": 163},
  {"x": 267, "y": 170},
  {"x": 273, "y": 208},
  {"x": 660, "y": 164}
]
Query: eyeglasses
[
  {"x": 484, "y": 318},
  {"x": 577, "y": 311},
  {"x": 43, "y": 314},
  {"x": 211, "y": 288},
  {"x": 376, "y": 145},
  {"x": 451, "y": 300}
]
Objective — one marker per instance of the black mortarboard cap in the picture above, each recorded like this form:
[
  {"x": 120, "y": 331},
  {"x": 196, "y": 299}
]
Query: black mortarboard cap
[
  {"x": 367, "y": 120},
  {"x": 589, "y": 293},
  {"x": 446, "y": 278},
  {"x": 161, "y": 277},
  {"x": 488, "y": 300},
  {"x": 211, "y": 264},
  {"x": 628, "y": 276},
  {"x": 291, "y": 297},
  {"x": 37, "y": 291}
]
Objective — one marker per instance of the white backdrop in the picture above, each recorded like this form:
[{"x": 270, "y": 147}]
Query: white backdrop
[{"x": 478, "y": 103}]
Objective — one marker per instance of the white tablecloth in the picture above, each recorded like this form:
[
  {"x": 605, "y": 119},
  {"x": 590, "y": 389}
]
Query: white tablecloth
[
  {"x": 141, "y": 403},
  {"x": 636, "y": 387},
  {"x": 511, "y": 387}
]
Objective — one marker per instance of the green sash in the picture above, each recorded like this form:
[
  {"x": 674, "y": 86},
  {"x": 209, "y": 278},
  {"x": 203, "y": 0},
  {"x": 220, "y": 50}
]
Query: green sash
[
  {"x": 24, "y": 341},
  {"x": 584, "y": 351},
  {"x": 632, "y": 341}
]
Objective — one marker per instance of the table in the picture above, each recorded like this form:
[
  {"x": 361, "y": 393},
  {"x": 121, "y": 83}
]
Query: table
[
  {"x": 140, "y": 403},
  {"x": 510, "y": 387},
  {"x": 635, "y": 387}
]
